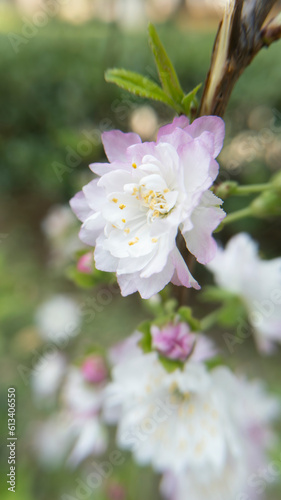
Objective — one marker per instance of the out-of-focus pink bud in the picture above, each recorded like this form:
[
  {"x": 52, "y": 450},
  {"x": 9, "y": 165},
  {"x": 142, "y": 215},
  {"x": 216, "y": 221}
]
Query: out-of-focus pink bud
[
  {"x": 85, "y": 263},
  {"x": 94, "y": 369},
  {"x": 173, "y": 341},
  {"x": 115, "y": 491}
]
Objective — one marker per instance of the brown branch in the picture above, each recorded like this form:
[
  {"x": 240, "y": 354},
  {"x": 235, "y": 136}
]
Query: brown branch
[{"x": 239, "y": 38}]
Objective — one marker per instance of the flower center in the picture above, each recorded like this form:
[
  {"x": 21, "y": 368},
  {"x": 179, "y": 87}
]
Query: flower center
[{"x": 155, "y": 201}]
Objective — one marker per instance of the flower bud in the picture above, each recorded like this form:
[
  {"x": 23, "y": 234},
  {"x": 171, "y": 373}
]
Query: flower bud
[
  {"x": 225, "y": 189},
  {"x": 173, "y": 341},
  {"x": 268, "y": 203},
  {"x": 85, "y": 263},
  {"x": 94, "y": 369}
]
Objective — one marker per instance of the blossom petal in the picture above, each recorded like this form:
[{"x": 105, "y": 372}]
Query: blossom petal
[
  {"x": 212, "y": 124},
  {"x": 196, "y": 161},
  {"x": 206, "y": 217},
  {"x": 116, "y": 143},
  {"x": 91, "y": 229},
  {"x": 103, "y": 259},
  {"x": 104, "y": 168},
  {"x": 80, "y": 206},
  {"x": 94, "y": 195},
  {"x": 130, "y": 283},
  {"x": 178, "y": 122},
  {"x": 115, "y": 180},
  {"x": 182, "y": 276}
]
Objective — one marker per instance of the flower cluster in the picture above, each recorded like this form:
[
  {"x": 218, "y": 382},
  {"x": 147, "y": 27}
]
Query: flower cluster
[
  {"x": 145, "y": 196},
  {"x": 239, "y": 269},
  {"x": 205, "y": 430}
]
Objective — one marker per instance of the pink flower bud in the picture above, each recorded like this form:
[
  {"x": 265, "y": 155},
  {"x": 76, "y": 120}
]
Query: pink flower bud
[
  {"x": 115, "y": 491},
  {"x": 85, "y": 263},
  {"x": 94, "y": 369},
  {"x": 173, "y": 341}
]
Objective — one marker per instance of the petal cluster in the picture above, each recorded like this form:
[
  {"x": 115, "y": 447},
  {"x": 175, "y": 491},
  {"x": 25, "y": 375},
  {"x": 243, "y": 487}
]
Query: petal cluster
[
  {"x": 240, "y": 270},
  {"x": 148, "y": 192},
  {"x": 251, "y": 412},
  {"x": 207, "y": 431}
]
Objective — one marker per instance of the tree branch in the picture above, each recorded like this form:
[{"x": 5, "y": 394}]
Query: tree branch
[{"x": 239, "y": 38}]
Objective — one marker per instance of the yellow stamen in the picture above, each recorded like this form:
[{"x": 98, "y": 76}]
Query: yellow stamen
[
  {"x": 134, "y": 165},
  {"x": 124, "y": 220},
  {"x": 115, "y": 200},
  {"x": 154, "y": 240},
  {"x": 122, "y": 206},
  {"x": 134, "y": 241},
  {"x": 127, "y": 230}
]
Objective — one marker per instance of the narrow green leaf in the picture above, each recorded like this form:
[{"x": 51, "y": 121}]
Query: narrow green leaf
[
  {"x": 138, "y": 85},
  {"x": 185, "y": 314},
  {"x": 80, "y": 279},
  {"x": 166, "y": 71},
  {"x": 214, "y": 362},
  {"x": 215, "y": 294},
  {"x": 190, "y": 100},
  {"x": 146, "y": 340},
  {"x": 229, "y": 313},
  {"x": 171, "y": 365}
]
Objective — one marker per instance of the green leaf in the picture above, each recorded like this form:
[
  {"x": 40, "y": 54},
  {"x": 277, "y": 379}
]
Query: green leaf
[
  {"x": 146, "y": 341},
  {"x": 215, "y": 294},
  {"x": 138, "y": 85},
  {"x": 171, "y": 365},
  {"x": 190, "y": 100},
  {"x": 166, "y": 71},
  {"x": 85, "y": 280},
  {"x": 230, "y": 312},
  {"x": 185, "y": 314},
  {"x": 82, "y": 280},
  {"x": 214, "y": 362}
]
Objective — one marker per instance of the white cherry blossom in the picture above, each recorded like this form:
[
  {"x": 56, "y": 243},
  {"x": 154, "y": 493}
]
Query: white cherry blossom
[{"x": 145, "y": 195}]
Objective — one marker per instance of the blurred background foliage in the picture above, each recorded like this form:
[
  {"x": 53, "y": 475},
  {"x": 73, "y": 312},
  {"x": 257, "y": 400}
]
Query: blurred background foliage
[{"x": 52, "y": 99}]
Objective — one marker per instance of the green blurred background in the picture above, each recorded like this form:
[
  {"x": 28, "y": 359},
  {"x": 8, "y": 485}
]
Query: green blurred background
[{"x": 54, "y": 103}]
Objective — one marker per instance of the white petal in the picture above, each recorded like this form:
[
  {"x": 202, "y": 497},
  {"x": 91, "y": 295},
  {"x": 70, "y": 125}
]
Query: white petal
[{"x": 91, "y": 229}]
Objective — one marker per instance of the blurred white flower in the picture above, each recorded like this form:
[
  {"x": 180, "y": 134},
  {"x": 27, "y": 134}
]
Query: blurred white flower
[
  {"x": 47, "y": 375},
  {"x": 60, "y": 229},
  {"x": 252, "y": 412},
  {"x": 77, "y": 430},
  {"x": 52, "y": 440},
  {"x": 58, "y": 319},
  {"x": 257, "y": 282},
  {"x": 84, "y": 401},
  {"x": 170, "y": 420},
  {"x": 58, "y": 220},
  {"x": 79, "y": 396}
]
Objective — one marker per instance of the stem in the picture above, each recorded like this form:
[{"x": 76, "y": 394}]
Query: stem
[
  {"x": 253, "y": 188},
  {"x": 209, "y": 320},
  {"x": 239, "y": 214}
]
